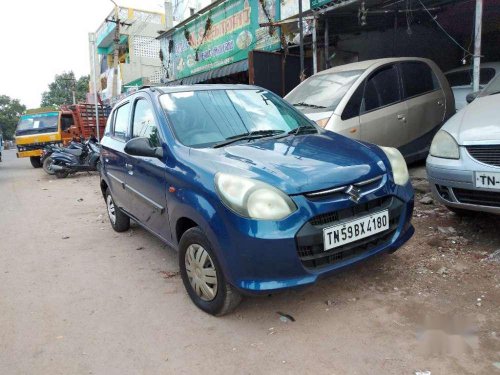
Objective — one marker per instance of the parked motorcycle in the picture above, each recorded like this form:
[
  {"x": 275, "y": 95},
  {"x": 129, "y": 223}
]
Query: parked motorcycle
[
  {"x": 48, "y": 150},
  {"x": 85, "y": 159}
]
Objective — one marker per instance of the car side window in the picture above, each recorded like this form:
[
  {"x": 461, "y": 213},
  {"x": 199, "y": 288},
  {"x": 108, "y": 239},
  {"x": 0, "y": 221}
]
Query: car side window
[
  {"x": 381, "y": 89},
  {"x": 144, "y": 123},
  {"x": 120, "y": 129},
  {"x": 418, "y": 78},
  {"x": 353, "y": 106},
  {"x": 486, "y": 75}
]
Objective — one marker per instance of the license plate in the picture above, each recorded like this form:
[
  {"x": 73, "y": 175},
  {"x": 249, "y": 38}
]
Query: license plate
[
  {"x": 354, "y": 230},
  {"x": 487, "y": 180}
]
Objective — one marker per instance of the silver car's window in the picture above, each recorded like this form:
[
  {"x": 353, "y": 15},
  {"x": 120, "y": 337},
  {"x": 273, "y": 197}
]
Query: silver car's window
[
  {"x": 206, "y": 117},
  {"x": 382, "y": 89},
  {"x": 464, "y": 77},
  {"x": 418, "y": 78},
  {"x": 323, "y": 91}
]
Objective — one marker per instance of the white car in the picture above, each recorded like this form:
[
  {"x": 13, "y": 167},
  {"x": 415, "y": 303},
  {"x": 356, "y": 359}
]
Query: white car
[
  {"x": 463, "y": 166},
  {"x": 460, "y": 80}
]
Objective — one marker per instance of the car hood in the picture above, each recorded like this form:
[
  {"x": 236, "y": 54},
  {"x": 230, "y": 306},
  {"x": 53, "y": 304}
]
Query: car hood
[
  {"x": 298, "y": 164},
  {"x": 477, "y": 123}
]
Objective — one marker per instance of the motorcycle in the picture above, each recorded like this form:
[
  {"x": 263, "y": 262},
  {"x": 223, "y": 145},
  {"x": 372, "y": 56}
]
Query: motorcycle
[
  {"x": 46, "y": 158},
  {"x": 85, "y": 159}
]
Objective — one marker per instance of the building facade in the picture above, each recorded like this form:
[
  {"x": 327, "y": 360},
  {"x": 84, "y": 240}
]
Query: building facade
[{"x": 138, "y": 50}]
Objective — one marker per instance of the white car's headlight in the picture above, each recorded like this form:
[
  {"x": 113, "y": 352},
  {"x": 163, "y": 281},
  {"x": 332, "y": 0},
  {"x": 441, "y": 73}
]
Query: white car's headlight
[
  {"x": 444, "y": 146},
  {"x": 398, "y": 165},
  {"x": 253, "y": 199}
]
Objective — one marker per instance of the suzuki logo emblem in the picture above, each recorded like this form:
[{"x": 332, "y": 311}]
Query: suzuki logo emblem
[{"x": 354, "y": 193}]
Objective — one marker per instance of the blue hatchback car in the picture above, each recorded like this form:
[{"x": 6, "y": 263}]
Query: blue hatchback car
[{"x": 255, "y": 197}]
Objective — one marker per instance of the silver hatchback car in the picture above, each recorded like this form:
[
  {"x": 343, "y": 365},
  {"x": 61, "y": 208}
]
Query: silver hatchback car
[
  {"x": 397, "y": 102},
  {"x": 464, "y": 161}
]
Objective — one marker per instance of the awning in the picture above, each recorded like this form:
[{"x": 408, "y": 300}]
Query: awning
[{"x": 223, "y": 71}]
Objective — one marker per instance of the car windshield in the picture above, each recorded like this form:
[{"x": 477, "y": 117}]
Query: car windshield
[
  {"x": 323, "y": 92},
  {"x": 206, "y": 118},
  {"x": 492, "y": 88},
  {"x": 37, "y": 123}
]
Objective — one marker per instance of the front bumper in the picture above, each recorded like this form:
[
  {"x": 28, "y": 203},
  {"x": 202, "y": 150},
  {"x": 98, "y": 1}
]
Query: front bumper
[
  {"x": 452, "y": 183},
  {"x": 260, "y": 256}
]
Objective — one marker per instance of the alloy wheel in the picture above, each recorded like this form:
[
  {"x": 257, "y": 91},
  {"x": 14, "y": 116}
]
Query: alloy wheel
[{"x": 201, "y": 272}]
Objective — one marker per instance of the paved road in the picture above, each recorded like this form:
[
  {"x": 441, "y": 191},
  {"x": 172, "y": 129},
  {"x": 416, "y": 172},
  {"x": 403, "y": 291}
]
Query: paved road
[{"x": 78, "y": 298}]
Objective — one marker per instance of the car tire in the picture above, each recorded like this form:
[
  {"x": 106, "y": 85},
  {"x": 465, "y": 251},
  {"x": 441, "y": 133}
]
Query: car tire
[
  {"x": 35, "y": 161},
  {"x": 120, "y": 222},
  {"x": 46, "y": 166},
  {"x": 201, "y": 273}
]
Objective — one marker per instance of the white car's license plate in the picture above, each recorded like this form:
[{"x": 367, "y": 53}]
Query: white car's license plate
[
  {"x": 354, "y": 230},
  {"x": 487, "y": 180}
]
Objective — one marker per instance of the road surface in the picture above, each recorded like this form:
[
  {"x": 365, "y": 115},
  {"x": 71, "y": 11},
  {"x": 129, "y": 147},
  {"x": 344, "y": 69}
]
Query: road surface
[{"x": 78, "y": 298}]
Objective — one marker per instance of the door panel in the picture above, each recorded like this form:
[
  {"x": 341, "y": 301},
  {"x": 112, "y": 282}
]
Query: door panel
[
  {"x": 146, "y": 180},
  {"x": 425, "y": 113},
  {"x": 386, "y": 126},
  {"x": 383, "y": 114},
  {"x": 114, "y": 157}
]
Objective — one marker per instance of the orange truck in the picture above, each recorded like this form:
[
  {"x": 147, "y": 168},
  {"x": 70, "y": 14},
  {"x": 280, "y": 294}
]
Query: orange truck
[{"x": 43, "y": 126}]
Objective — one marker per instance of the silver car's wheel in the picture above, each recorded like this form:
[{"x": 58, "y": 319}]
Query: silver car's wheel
[
  {"x": 201, "y": 272},
  {"x": 111, "y": 209}
]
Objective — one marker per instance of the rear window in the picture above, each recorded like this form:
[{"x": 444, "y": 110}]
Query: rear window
[
  {"x": 418, "y": 78},
  {"x": 121, "y": 122}
]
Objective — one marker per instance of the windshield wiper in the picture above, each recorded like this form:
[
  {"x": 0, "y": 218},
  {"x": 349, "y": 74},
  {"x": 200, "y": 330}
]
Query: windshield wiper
[
  {"x": 256, "y": 134},
  {"x": 304, "y": 104},
  {"x": 303, "y": 129}
]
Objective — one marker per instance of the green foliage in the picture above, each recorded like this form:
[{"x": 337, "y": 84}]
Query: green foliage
[
  {"x": 10, "y": 110},
  {"x": 60, "y": 91}
]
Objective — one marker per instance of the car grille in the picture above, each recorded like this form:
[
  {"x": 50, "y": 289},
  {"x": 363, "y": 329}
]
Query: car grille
[
  {"x": 310, "y": 247},
  {"x": 479, "y": 197},
  {"x": 363, "y": 188},
  {"x": 486, "y": 154}
]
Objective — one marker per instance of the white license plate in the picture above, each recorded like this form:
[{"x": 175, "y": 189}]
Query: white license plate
[
  {"x": 354, "y": 230},
  {"x": 487, "y": 180}
]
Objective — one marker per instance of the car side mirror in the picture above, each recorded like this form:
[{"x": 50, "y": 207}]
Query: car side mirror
[
  {"x": 141, "y": 147},
  {"x": 471, "y": 96}
]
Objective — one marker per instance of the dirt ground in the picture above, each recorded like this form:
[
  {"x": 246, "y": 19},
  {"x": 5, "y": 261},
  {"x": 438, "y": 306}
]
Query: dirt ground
[{"x": 78, "y": 298}]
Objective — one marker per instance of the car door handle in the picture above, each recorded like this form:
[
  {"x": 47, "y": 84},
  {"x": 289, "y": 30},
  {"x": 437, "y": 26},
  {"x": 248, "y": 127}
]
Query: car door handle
[
  {"x": 129, "y": 166},
  {"x": 402, "y": 118},
  {"x": 440, "y": 103}
]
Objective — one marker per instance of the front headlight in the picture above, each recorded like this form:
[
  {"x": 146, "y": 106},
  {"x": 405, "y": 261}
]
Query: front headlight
[
  {"x": 253, "y": 199},
  {"x": 398, "y": 165},
  {"x": 444, "y": 146}
]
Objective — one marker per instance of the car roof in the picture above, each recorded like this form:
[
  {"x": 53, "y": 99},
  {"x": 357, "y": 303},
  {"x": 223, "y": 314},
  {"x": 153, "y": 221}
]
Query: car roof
[
  {"x": 363, "y": 65},
  {"x": 201, "y": 87},
  {"x": 494, "y": 64}
]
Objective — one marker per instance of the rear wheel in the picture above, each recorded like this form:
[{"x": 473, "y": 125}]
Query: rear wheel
[
  {"x": 119, "y": 220},
  {"x": 202, "y": 275},
  {"x": 61, "y": 174},
  {"x": 35, "y": 161},
  {"x": 47, "y": 166}
]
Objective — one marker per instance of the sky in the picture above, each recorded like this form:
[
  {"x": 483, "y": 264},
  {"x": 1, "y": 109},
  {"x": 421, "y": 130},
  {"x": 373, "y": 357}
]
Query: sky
[{"x": 40, "y": 39}]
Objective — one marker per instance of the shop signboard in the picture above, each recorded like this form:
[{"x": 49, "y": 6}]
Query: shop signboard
[
  {"x": 221, "y": 36},
  {"x": 318, "y": 3}
]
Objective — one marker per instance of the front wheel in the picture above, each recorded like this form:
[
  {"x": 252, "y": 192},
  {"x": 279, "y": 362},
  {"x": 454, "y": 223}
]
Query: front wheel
[
  {"x": 35, "y": 161},
  {"x": 202, "y": 275},
  {"x": 47, "y": 166}
]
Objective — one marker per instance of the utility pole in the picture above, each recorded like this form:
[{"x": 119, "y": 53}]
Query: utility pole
[
  {"x": 477, "y": 44},
  {"x": 116, "y": 41},
  {"x": 92, "y": 41},
  {"x": 301, "y": 42},
  {"x": 73, "y": 89}
]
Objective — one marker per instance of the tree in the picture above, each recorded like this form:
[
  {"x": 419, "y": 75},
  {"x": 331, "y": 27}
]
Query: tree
[
  {"x": 61, "y": 90},
  {"x": 10, "y": 110}
]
